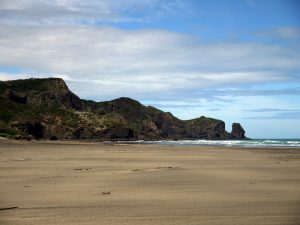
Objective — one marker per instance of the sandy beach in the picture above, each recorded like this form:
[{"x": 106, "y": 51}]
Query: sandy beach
[{"x": 93, "y": 183}]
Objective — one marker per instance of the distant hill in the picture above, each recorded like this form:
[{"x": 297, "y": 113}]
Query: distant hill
[{"x": 47, "y": 109}]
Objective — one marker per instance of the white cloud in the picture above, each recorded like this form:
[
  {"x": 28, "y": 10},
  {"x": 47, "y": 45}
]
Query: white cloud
[
  {"x": 141, "y": 62},
  {"x": 9, "y": 76},
  {"x": 87, "y": 12},
  {"x": 287, "y": 33}
]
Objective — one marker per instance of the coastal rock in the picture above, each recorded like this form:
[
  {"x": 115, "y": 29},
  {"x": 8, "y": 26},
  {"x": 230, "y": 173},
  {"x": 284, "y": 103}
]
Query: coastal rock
[
  {"x": 206, "y": 128},
  {"x": 237, "y": 131},
  {"x": 46, "y": 108},
  {"x": 34, "y": 128},
  {"x": 17, "y": 97},
  {"x": 119, "y": 133}
]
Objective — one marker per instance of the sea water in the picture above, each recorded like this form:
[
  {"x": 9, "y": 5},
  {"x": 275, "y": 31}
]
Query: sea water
[{"x": 285, "y": 143}]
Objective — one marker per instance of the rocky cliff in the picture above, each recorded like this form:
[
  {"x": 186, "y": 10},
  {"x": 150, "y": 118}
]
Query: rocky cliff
[{"x": 46, "y": 108}]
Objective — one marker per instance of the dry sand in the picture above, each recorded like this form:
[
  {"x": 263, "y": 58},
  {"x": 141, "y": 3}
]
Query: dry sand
[{"x": 91, "y": 183}]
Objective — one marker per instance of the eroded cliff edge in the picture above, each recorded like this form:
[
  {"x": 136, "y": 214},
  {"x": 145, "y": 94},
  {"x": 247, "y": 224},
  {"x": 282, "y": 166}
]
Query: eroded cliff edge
[{"x": 47, "y": 109}]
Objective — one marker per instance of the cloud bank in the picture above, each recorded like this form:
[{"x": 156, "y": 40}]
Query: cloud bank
[{"x": 142, "y": 62}]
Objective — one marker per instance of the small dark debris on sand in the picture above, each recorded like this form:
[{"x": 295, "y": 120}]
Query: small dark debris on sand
[
  {"x": 9, "y": 208},
  {"x": 106, "y": 193},
  {"x": 165, "y": 167},
  {"x": 82, "y": 168}
]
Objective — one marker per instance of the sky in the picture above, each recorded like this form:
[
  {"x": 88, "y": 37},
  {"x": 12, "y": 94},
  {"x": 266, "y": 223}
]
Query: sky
[{"x": 235, "y": 60}]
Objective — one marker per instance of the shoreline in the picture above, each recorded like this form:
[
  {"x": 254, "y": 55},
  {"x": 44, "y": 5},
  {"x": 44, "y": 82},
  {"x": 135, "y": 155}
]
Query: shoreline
[{"x": 209, "y": 143}]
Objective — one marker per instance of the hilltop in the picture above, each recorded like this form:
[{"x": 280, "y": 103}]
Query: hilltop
[{"x": 47, "y": 109}]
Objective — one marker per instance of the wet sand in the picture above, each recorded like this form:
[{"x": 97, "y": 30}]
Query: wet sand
[{"x": 92, "y": 183}]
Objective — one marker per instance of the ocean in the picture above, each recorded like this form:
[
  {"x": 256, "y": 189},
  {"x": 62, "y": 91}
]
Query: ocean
[{"x": 278, "y": 143}]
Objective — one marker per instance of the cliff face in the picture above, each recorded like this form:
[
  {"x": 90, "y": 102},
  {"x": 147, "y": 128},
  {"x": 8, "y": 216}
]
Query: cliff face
[{"x": 46, "y": 108}]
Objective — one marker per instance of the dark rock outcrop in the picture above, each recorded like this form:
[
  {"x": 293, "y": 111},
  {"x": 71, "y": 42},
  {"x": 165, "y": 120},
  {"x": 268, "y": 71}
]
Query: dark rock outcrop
[
  {"x": 206, "y": 128},
  {"x": 119, "y": 133},
  {"x": 237, "y": 131},
  {"x": 17, "y": 97},
  {"x": 46, "y": 108},
  {"x": 35, "y": 129}
]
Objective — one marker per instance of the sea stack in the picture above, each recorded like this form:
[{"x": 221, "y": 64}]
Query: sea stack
[{"x": 238, "y": 131}]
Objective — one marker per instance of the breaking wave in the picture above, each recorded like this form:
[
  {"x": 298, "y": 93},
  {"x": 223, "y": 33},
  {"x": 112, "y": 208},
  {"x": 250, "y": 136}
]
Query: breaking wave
[{"x": 229, "y": 143}]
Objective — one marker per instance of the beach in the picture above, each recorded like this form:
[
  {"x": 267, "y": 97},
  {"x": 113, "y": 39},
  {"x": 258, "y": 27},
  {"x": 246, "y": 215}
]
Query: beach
[{"x": 72, "y": 182}]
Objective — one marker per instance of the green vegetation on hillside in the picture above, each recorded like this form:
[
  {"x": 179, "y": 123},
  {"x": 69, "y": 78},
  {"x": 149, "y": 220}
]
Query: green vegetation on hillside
[{"x": 46, "y": 108}]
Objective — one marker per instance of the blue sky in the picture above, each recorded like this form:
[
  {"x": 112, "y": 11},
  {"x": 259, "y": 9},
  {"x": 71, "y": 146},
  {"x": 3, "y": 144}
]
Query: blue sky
[{"x": 236, "y": 60}]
